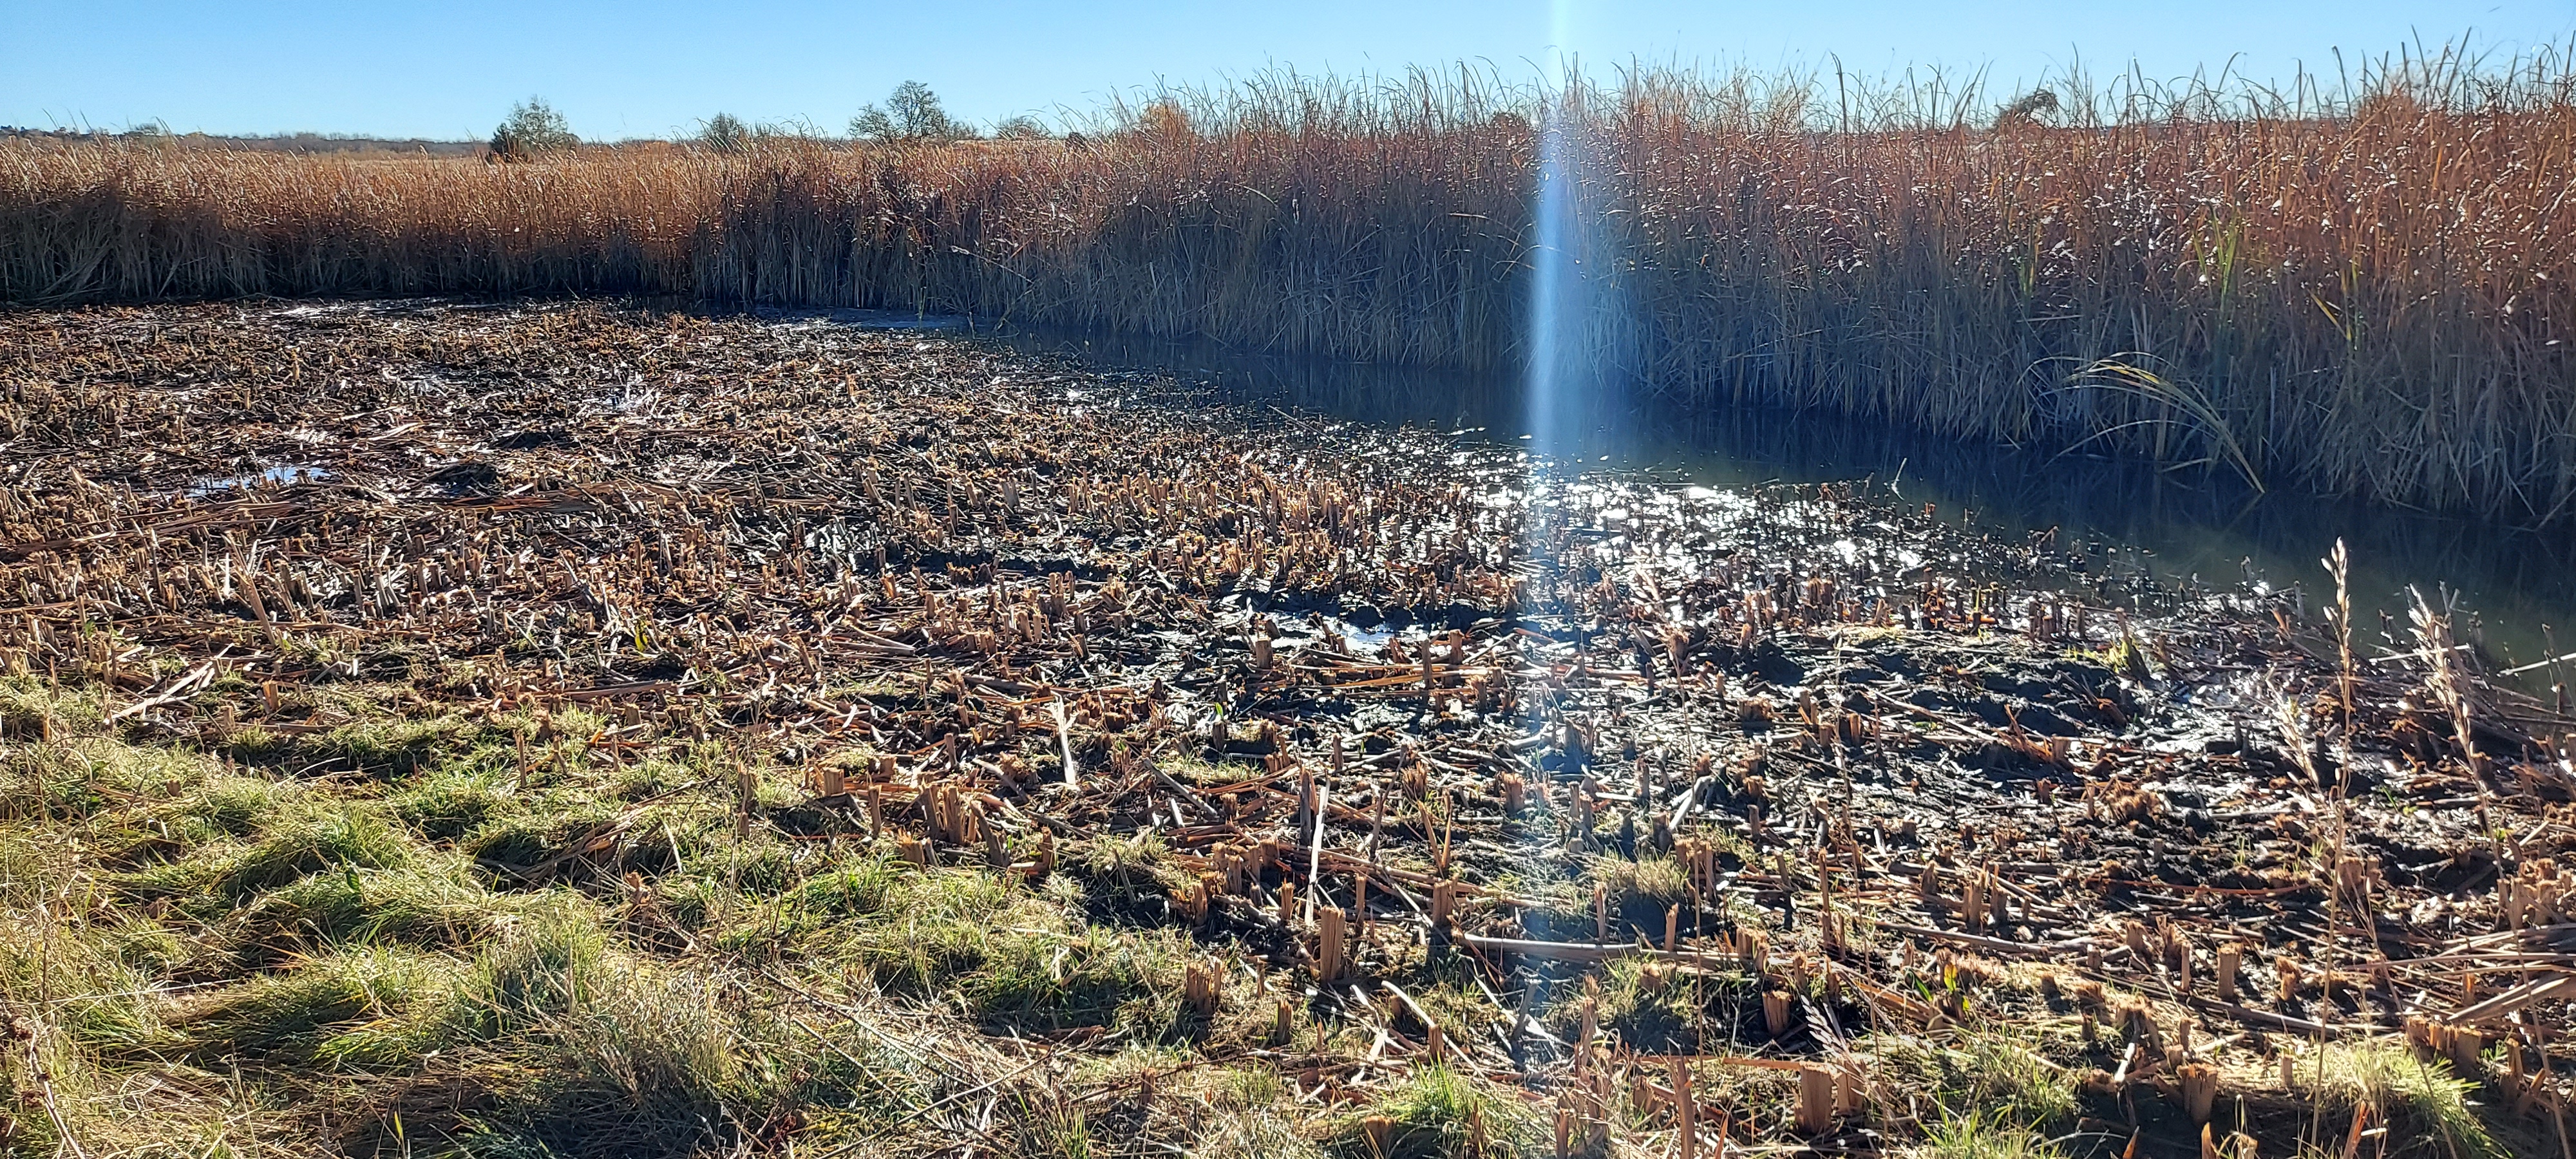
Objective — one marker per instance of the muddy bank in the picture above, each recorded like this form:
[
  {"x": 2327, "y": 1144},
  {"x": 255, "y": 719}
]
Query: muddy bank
[{"x": 1431, "y": 754}]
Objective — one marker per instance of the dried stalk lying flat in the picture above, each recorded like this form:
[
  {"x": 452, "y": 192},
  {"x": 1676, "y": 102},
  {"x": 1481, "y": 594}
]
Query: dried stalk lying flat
[{"x": 1391, "y": 751}]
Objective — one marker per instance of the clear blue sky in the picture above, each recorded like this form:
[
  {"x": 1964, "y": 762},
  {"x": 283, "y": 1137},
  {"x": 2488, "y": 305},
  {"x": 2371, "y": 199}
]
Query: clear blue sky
[{"x": 649, "y": 67}]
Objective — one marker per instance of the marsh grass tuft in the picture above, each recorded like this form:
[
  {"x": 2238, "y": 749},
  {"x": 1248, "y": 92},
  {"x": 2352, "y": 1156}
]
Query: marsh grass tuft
[
  {"x": 2422, "y": 1096},
  {"x": 1435, "y": 1113},
  {"x": 346, "y": 835},
  {"x": 1658, "y": 1009},
  {"x": 294, "y": 1016},
  {"x": 1981, "y": 1135},
  {"x": 429, "y": 905}
]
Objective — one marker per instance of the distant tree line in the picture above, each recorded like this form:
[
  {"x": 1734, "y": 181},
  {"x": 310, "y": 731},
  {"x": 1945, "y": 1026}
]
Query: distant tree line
[
  {"x": 155, "y": 134},
  {"x": 912, "y": 113}
]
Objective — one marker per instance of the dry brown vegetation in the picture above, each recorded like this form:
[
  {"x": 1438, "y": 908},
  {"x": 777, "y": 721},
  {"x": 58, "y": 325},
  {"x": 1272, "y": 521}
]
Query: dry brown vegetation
[
  {"x": 2362, "y": 290},
  {"x": 524, "y": 731}
]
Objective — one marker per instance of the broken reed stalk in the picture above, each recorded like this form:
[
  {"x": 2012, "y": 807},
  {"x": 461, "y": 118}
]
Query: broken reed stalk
[
  {"x": 1315, "y": 853},
  {"x": 1064, "y": 744},
  {"x": 1775, "y": 1013},
  {"x": 1685, "y": 1110},
  {"x": 1816, "y": 1089},
  {"x": 1199, "y": 984},
  {"x": 1332, "y": 942}
]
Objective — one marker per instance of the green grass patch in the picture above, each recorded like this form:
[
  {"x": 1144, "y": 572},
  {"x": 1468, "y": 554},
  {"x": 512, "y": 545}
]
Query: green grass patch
[
  {"x": 428, "y": 905},
  {"x": 1999, "y": 1078},
  {"x": 1982, "y": 1136},
  {"x": 295, "y": 1015},
  {"x": 2422, "y": 1097},
  {"x": 1657, "y": 1008},
  {"x": 1436, "y": 1114}
]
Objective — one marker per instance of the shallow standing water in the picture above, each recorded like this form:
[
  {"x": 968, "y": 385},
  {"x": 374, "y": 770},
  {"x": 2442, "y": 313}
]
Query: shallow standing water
[{"x": 2516, "y": 588}]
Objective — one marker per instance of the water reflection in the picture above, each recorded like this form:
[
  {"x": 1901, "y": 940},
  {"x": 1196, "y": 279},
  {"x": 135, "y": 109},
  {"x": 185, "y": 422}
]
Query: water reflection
[
  {"x": 285, "y": 475},
  {"x": 2517, "y": 587}
]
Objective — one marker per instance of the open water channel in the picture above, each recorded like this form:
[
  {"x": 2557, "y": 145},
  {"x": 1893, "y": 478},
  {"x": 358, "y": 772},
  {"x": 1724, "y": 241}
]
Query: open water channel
[{"x": 2515, "y": 588}]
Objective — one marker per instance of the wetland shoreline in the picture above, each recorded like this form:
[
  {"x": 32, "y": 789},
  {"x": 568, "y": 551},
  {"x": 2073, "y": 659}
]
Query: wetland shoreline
[{"x": 494, "y": 728}]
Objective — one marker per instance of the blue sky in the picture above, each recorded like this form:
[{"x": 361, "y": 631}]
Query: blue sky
[{"x": 649, "y": 68}]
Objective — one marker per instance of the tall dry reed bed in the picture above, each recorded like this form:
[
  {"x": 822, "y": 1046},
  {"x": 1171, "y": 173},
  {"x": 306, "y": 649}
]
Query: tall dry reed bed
[{"x": 2366, "y": 295}]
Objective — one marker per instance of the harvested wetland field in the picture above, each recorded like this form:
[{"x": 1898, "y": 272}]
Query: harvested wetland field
[{"x": 581, "y": 730}]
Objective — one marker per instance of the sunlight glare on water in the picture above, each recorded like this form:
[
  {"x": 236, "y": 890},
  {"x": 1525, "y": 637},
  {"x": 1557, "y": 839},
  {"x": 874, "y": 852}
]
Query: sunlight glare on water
[{"x": 1556, "y": 371}]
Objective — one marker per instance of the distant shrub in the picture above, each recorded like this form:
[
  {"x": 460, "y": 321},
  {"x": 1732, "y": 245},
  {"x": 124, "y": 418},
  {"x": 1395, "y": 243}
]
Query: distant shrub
[
  {"x": 911, "y": 113},
  {"x": 2026, "y": 111},
  {"x": 1020, "y": 129},
  {"x": 532, "y": 129},
  {"x": 726, "y": 133},
  {"x": 1164, "y": 121}
]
